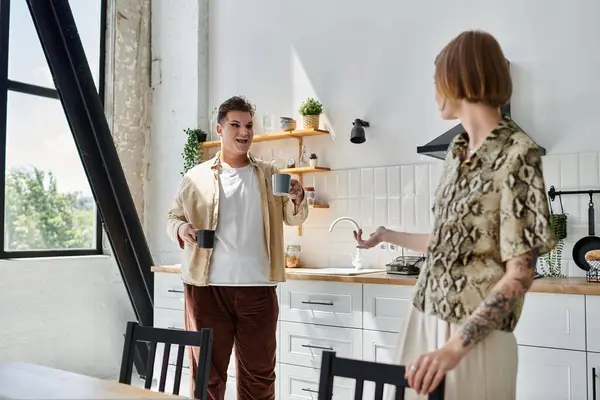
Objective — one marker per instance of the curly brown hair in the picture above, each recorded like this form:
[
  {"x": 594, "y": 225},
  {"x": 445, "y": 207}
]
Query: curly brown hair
[{"x": 235, "y": 103}]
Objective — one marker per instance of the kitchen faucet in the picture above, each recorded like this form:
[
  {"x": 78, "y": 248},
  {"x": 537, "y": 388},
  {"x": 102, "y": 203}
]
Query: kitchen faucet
[{"x": 357, "y": 259}]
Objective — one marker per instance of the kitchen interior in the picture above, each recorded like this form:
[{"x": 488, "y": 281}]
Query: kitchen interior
[{"x": 371, "y": 158}]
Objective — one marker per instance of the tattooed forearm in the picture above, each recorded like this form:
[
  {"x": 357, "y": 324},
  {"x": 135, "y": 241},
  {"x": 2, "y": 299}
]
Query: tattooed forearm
[{"x": 500, "y": 302}]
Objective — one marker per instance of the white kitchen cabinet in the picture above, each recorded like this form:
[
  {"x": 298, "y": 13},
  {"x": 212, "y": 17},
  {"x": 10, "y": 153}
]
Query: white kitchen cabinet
[
  {"x": 379, "y": 346},
  {"x": 552, "y": 320},
  {"x": 363, "y": 322},
  {"x": 324, "y": 303},
  {"x": 303, "y": 383},
  {"x": 386, "y": 307},
  {"x": 302, "y": 344},
  {"x": 593, "y": 376},
  {"x": 168, "y": 291},
  {"x": 551, "y": 374},
  {"x": 592, "y": 309}
]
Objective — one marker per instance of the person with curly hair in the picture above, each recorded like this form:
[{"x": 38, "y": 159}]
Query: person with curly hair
[{"x": 231, "y": 287}]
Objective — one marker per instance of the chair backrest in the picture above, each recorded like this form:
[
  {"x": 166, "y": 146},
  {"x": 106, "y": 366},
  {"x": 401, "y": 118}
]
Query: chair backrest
[
  {"x": 152, "y": 336},
  {"x": 365, "y": 371}
]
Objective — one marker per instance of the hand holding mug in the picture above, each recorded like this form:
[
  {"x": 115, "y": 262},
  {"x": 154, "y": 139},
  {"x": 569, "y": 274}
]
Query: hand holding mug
[
  {"x": 296, "y": 191},
  {"x": 187, "y": 233}
]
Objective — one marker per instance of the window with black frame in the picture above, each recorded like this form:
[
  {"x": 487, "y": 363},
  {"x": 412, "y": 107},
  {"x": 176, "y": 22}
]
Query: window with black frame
[{"x": 46, "y": 204}]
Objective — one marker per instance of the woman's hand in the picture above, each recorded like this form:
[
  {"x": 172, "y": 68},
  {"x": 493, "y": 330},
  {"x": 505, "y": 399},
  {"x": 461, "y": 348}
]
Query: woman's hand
[
  {"x": 373, "y": 240},
  {"x": 426, "y": 372}
]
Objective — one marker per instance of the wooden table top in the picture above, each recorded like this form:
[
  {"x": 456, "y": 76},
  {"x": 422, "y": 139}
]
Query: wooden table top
[
  {"x": 30, "y": 381},
  {"x": 542, "y": 285}
]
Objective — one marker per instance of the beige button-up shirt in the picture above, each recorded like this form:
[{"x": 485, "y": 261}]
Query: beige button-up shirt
[
  {"x": 197, "y": 202},
  {"x": 489, "y": 207}
]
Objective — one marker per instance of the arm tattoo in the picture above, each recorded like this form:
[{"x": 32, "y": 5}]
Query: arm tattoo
[{"x": 500, "y": 302}]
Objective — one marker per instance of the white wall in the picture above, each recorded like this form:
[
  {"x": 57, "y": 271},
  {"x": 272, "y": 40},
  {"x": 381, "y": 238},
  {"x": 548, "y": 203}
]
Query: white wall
[
  {"x": 68, "y": 313},
  {"x": 179, "y": 101},
  {"x": 374, "y": 62}
]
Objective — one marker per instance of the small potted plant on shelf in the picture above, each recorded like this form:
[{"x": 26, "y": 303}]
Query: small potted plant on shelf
[
  {"x": 193, "y": 152},
  {"x": 311, "y": 110},
  {"x": 312, "y": 160}
]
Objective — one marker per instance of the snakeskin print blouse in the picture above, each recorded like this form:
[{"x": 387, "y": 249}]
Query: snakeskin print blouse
[{"x": 489, "y": 207}]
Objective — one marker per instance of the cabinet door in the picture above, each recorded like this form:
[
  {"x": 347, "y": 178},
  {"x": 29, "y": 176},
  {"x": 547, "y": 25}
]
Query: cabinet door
[
  {"x": 168, "y": 291},
  {"x": 552, "y": 320},
  {"x": 592, "y": 309},
  {"x": 302, "y": 344},
  {"x": 303, "y": 383},
  {"x": 551, "y": 374},
  {"x": 379, "y": 346},
  {"x": 323, "y": 303},
  {"x": 593, "y": 374},
  {"x": 386, "y": 307}
]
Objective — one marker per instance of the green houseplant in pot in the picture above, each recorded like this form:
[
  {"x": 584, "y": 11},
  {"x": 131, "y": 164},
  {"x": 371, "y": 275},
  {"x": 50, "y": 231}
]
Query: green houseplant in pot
[
  {"x": 312, "y": 160},
  {"x": 552, "y": 262},
  {"x": 311, "y": 110},
  {"x": 193, "y": 152}
]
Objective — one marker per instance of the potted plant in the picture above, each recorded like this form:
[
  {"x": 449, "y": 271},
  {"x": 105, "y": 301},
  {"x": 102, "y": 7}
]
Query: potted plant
[
  {"x": 552, "y": 262},
  {"x": 193, "y": 152},
  {"x": 312, "y": 160},
  {"x": 311, "y": 110}
]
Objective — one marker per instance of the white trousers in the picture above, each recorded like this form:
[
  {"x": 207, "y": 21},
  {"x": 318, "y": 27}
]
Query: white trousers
[{"x": 487, "y": 372}]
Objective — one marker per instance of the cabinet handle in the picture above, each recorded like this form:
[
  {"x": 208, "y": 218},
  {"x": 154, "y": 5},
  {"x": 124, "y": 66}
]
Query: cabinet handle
[
  {"x": 310, "y": 390},
  {"x": 183, "y": 366},
  {"x": 309, "y": 346},
  {"x": 594, "y": 383},
  {"x": 318, "y": 303},
  {"x": 174, "y": 291}
]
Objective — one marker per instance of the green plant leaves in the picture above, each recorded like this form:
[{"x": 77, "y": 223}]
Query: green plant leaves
[{"x": 311, "y": 107}]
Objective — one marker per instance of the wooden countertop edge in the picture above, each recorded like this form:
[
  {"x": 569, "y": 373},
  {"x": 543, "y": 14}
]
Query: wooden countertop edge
[{"x": 542, "y": 285}]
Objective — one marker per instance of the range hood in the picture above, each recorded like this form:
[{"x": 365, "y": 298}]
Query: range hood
[{"x": 438, "y": 147}]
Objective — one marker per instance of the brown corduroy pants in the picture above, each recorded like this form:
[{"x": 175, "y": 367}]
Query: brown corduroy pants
[{"x": 242, "y": 316}]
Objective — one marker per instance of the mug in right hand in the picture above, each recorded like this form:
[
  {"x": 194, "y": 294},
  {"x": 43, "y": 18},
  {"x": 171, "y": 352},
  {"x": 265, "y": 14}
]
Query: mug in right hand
[
  {"x": 281, "y": 184},
  {"x": 205, "y": 238}
]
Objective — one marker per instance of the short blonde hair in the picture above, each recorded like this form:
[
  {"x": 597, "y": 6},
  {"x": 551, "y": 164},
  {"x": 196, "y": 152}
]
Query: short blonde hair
[{"x": 472, "y": 67}]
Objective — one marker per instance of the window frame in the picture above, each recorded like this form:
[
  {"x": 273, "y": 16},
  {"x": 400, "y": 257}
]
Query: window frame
[{"x": 7, "y": 85}]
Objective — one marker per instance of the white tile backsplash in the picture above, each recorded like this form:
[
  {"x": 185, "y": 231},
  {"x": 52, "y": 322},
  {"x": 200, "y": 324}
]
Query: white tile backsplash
[{"x": 400, "y": 197}]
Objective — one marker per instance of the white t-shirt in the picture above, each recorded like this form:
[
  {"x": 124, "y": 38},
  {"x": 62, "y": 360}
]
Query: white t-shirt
[{"x": 240, "y": 256}]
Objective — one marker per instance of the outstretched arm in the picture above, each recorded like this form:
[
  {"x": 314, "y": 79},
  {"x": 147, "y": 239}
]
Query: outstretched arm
[{"x": 417, "y": 242}]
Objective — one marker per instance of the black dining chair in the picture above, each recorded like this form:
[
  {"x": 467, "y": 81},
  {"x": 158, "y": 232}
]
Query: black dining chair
[
  {"x": 152, "y": 336},
  {"x": 365, "y": 371}
]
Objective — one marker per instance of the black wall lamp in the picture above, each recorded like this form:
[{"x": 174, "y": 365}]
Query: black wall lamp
[{"x": 357, "y": 135}]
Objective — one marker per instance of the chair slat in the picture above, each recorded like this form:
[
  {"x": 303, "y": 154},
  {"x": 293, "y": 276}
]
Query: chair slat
[
  {"x": 378, "y": 391},
  {"x": 358, "y": 389},
  {"x": 178, "y": 368},
  {"x": 150, "y": 365},
  {"x": 164, "y": 367}
]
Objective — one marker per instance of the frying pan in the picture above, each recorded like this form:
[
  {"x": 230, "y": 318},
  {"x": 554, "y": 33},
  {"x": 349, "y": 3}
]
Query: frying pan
[{"x": 590, "y": 242}]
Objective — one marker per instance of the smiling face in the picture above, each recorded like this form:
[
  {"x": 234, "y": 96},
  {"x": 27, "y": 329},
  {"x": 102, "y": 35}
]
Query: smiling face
[{"x": 236, "y": 132}]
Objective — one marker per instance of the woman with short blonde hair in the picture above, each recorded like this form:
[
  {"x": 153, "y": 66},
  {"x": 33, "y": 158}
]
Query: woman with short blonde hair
[{"x": 491, "y": 224}]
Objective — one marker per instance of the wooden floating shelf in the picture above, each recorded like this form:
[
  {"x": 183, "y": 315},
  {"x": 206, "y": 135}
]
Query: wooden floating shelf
[
  {"x": 303, "y": 170},
  {"x": 267, "y": 137},
  {"x": 319, "y": 206}
]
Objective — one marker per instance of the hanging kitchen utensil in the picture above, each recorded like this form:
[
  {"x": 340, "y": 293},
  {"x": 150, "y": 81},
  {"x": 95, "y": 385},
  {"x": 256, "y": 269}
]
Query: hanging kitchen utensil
[{"x": 588, "y": 243}]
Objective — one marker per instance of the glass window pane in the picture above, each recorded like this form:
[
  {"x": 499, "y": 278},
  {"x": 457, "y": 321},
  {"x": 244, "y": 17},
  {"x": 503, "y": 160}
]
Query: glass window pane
[
  {"x": 26, "y": 60},
  {"x": 49, "y": 203}
]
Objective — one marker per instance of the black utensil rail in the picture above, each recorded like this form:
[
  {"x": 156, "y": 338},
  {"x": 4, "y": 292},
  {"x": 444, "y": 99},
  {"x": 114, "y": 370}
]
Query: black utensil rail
[{"x": 592, "y": 274}]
